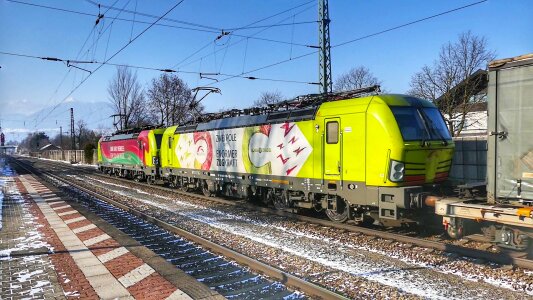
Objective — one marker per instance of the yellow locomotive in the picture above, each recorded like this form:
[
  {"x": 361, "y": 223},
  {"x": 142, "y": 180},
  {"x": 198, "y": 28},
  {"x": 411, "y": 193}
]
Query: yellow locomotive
[{"x": 358, "y": 158}]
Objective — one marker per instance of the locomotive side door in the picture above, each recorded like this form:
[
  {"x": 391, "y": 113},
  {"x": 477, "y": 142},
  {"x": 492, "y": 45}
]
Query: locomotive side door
[
  {"x": 332, "y": 156},
  {"x": 170, "y": 151}
]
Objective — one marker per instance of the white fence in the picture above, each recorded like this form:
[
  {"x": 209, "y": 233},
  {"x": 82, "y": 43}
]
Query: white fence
[{"x": 73, "y": 156}]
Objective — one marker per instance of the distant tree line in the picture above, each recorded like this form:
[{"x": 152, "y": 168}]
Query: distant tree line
[{"x": 84, "y": 138}]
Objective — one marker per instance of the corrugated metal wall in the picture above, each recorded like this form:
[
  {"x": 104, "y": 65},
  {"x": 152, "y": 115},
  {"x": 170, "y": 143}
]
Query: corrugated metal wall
[{"x": 470, "y": 160}]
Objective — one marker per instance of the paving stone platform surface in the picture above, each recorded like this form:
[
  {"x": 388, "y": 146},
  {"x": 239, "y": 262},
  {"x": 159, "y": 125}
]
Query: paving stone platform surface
[{"x": 52, "y": 249}]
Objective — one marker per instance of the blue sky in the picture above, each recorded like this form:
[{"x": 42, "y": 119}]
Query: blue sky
[{"x": 28, "y": 85}]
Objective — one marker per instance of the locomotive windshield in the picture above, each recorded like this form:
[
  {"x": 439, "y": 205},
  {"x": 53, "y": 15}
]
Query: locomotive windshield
[{"x": 420, "y": 123}]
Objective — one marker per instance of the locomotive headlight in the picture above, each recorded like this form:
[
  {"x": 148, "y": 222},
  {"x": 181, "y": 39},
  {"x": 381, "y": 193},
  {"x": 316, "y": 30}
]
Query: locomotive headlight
[{"x": 396, "y": 171}]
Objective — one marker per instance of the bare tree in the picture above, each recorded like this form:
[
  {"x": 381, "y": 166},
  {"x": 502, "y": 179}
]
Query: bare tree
[
  {"x": 127, "y": 98},
  {"x": 169, "y": 100},
  {"x": 267, "y": 98},
  {"x": 80, "y": 132},
  {"x": 83, "y": 136},
  {"x": 34, "y": 141},
  {"x": 62, "y": 141},
  {"x": 356, "y": 78},
  {"x": 455, "y": 80}
]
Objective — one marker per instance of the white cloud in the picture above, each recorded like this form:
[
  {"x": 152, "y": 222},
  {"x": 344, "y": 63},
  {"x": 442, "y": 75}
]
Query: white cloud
[
  {"x": 23, "y": 106},
  {"x": 15, "y": 130}
]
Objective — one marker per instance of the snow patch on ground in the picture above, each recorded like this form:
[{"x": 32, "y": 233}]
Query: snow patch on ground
[
  {"x": 406, "y": 278},
  {"x": 1, "y": 201},
  {"x": 72, "y": 294},
  {"x": 77, "y": 164},
  {"x": 5, "y": 176},
  {"x": 403, "y": 280},
  {"x": 32, "y": 240}
]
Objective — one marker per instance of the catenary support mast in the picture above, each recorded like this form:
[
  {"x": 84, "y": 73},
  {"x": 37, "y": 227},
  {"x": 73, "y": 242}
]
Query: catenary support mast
[
  {"x": 72, "y": 136},
  {"x": 326, "y": 84}
]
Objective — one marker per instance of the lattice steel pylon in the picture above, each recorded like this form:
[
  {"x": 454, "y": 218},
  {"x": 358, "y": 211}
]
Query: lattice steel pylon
[{"x": 326, "y": 83}]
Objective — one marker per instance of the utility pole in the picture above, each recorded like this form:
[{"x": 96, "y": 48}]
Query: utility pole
[
  {"x": 72, "y": 136},
  {"x": 72, "y": 141},
  {"x": 61, "y": 142},
  {"x": 2, "y": 137},
  {"x": 324, "y": 60}
]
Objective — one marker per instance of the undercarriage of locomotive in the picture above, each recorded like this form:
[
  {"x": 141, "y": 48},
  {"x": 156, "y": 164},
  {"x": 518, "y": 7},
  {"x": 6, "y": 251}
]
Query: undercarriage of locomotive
[{"x": 336, "y": 208}]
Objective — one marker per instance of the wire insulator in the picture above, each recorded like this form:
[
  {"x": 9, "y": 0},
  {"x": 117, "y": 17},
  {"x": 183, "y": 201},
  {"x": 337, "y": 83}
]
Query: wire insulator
[{"x": 51, "y": 58}]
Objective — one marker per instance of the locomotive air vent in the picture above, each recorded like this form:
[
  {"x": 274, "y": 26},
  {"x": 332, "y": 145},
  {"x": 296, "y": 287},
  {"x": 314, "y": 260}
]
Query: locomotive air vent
[{"x": 282, "y": 116}]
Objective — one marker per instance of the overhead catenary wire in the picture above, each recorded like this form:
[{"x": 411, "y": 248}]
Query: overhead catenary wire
[
  {"x": 260, "y": 68},
  {"x": 112, "y": 56},
  {"x": 95, "y": 41},
  {"x": 77, "y": 57},
  {"x": 133, "y": 23},
  {"x": 269, "y": 65},
  {"x": 243, "y": 38},
  {"x": 273, "y": 25},
  {"x": 54, "y": 59},
  {"x": 217, "y": 29},
  {"x": 273, "y": 16},
  {"x": 338, "y": 45},
  {"x": 179, "y": 64},
  {"x": 353, "y": 40},
  {"x": 408, "y": 24},
  {"x": 165, "y": 25},
  {"x": 156, "y": 17}
]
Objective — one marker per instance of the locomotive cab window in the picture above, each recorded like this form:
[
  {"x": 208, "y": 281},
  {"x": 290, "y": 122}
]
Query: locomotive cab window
[
  {"x": 420, "y": 123},
  {"x": 158, "y": 140},
  {"x": 332, "y": 132}
]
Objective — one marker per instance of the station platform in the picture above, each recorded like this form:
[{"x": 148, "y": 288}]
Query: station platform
[{"x": 52, "y": 248}]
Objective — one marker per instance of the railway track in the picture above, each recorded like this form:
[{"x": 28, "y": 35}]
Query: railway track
[
  {"x": 323, "y": 227},
  {"x": 231, "y": 274},
  {"x": 502, "y": 257}
]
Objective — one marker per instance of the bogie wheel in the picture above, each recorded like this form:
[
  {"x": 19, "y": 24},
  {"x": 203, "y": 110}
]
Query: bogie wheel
[
  {"x": 175, "y": 182},
  {"x": 341, "y": 214},
  {"x": 455, "y": 229},
  {"x": 149, "y": 180},
  {"x": 184, "y": 185},
  {"x": 278, "y": 202},
  {"x": 171, "y": 183},
  {"x": 205, "y": 189}
]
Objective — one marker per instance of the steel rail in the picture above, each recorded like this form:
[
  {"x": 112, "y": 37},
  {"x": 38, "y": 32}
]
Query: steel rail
[
  {"x": 285, "y": 278},
  {"x": 504, "y": 258}
]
